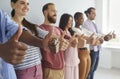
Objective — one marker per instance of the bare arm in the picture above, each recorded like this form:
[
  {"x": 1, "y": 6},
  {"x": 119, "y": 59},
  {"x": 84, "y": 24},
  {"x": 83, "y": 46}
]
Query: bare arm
[
  {"x": 13, "y": 51},
  {"x": 30, "y": 39}
]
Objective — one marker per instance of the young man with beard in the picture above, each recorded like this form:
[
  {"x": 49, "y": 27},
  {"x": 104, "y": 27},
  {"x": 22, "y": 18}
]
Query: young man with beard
[
  {"x": 94, "y": 50},
  {"x": 53, "y": 63}
]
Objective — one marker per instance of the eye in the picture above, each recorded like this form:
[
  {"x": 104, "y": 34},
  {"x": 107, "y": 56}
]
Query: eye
[{"x": 27, "y": 3}]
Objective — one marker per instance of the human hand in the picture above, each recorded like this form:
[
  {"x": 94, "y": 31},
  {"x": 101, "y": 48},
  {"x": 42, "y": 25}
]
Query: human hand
[
  {"x": 108, "y": 37},
  {"x": 81, "y": 41},
  {"x": 74, "y": 40},
  {"x": 113, "y": 34},
  {"x": 96, "y": 41},
  {"x": 90, "y": 39},
  {"x": 64, "y": 42},
  {"x": 13, "y": 51},
  {"x": 101, "y": 39}
]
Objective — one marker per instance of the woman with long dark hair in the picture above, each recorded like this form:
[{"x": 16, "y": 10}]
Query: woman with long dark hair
[{"x": 71, "y": 54}]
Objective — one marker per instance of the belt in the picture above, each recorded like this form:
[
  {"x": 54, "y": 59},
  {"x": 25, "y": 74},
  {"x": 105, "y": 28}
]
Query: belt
[
  {"x": 94, "y": 51},
  {"x": 83, "y": 48}
]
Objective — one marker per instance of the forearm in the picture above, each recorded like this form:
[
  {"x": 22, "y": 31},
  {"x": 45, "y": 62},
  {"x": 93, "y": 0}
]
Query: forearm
[
  {"x": 1, "y": 50},
  {"x": 30, "y": 39}
]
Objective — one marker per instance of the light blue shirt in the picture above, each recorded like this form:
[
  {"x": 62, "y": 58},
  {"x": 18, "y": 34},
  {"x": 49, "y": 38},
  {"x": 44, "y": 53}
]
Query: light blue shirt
[
  {"x": 91, "y": 26},
  {"x": 7, "y": 29}
]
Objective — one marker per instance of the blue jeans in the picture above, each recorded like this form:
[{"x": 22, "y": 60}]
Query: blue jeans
[{"x": 94, "y": 63}]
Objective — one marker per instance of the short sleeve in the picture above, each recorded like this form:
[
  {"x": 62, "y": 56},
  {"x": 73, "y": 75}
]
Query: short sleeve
[
  {"x": 10, "y": 26},
  {"x": 41, "y": 33},
  {"x": 77, "y": 31}
]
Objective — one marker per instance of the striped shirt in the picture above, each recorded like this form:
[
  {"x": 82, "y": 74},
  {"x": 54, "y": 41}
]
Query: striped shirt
[{"x": 33, "y": 54}]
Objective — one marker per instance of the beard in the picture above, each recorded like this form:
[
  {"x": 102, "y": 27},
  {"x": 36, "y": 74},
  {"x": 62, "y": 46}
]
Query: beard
[{"x": 51, "y": 19}]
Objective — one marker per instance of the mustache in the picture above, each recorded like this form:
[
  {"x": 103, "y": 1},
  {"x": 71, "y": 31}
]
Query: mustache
[{"x": 54, "y": 15}]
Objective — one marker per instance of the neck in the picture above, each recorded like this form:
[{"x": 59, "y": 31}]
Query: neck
[
  {"x": 90, "y": 19},
  {"x": 66, "y": 29},
  {"x": 77, "y": 25},
  {"x": 18, "y": 19}
]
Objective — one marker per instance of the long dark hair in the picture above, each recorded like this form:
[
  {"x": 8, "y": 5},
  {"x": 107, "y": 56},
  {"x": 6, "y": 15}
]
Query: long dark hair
[{"x": 63, "y": 22}]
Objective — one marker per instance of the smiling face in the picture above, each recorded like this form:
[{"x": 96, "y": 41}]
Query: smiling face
[
  {"x": 21, "y": 7},
  {"x": 70, "y": 22},
  {"x": 80, "y": 20},
  {"x": 92, "y": 14},
  {"x": 51, "y": 13}
]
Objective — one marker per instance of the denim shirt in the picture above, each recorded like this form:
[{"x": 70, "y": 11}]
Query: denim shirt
[{"x": 7, "y": 29}]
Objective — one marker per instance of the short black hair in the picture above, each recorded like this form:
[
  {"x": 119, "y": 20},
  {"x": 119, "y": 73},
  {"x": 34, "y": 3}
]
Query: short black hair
[
  {"x": 77, "y": 15},
  {"x": 45, "y": 7},
  {"x": 14, "y": 1}
]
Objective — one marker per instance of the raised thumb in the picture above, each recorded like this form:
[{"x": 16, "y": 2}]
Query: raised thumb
[
  {"x": 17, "y": 35},
  {"x": 92, "y": 35},
  {"x": 63, "y": 34}
]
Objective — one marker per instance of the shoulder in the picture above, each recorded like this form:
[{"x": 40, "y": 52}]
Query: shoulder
[
  {"x": 86, "y": 22},
  {"x": 3, "y": 14},
  {"x": 75, "y": 29},
  {"x": 42, "y": 26},
  {"x": 58, "y": 29}
]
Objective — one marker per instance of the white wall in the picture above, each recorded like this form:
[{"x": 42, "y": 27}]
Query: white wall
[
  {"x": 99, "y": 11},
  {"x": 63, "y": 6},
  {"x": 110, "y": 54}
]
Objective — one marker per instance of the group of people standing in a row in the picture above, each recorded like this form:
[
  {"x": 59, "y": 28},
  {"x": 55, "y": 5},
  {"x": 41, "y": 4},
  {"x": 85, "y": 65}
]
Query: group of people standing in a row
[{"x": 79, "y": 44}]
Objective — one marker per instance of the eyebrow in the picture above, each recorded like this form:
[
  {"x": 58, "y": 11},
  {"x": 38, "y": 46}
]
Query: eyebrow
[{"x": 24, "y": 2}]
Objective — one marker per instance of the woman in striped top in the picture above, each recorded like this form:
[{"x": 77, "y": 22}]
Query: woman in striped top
[{"x": 30, "y": 68}]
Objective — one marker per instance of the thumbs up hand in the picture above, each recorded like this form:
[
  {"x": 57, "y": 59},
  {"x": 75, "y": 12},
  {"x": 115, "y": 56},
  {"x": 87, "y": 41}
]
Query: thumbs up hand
[
  {"x": 74, "y": 40},
  {"x": 108, "y": 37},
  {"x": 64, "y": 43},
  {"x": 96, "y": 41},
  {"x": 13, "y": 51},
  {"x": 91, "y": 39},
  {"x": 81, "y": 41},
  {"x": 17, "y": 35},
  {"x": 53, "y": 43},
  {"x": 46, "y": 41},
  {"x": 113, "y": 34}
]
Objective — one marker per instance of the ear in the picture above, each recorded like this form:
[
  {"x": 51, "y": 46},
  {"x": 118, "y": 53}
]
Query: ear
[
  {"x": 88, "y": 14},
  {"x": 45, "y": 12}
]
